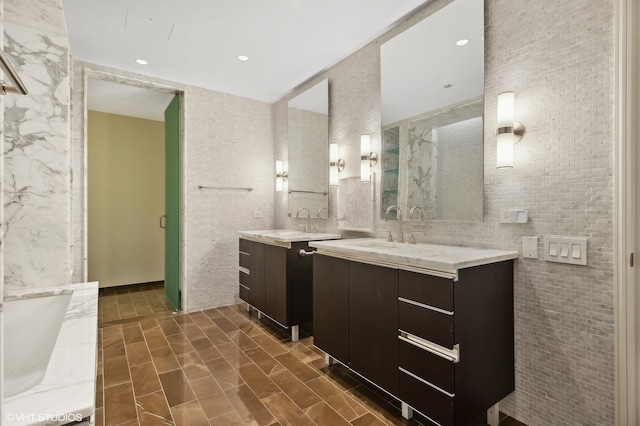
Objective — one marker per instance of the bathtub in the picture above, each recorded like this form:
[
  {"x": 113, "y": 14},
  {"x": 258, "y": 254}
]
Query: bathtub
[
  {"x": 32, "y": 324},
  {"x": 66, "y": 393}
]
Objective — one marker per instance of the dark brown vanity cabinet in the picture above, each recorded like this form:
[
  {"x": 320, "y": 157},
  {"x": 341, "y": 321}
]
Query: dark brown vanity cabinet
[
  {"x": 356, "y": 317},
  {"x": 441, "y": 344},
  {"x": 280, "y": 282},
  {"x": 373, "y": 324},
  {"x": 331, "y": 306}
]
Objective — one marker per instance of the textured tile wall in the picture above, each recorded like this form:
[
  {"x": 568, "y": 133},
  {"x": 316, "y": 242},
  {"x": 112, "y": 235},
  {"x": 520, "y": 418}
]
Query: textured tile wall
[
  {"x": 558, "y": 57},
  {"x": 228, "y": 142}
]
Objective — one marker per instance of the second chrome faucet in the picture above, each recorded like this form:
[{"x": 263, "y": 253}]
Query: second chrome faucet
[
  {"x": 386, "y": 218},
  {"x": 308, "y": 229}
]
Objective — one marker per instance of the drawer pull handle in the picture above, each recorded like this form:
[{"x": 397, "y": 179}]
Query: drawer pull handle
[
  {"x": 422, "y": 305},
  {"x": 409, "y": 373},
  {"x": 450, "y": 355},
  {"x": 304, "y": 253}
]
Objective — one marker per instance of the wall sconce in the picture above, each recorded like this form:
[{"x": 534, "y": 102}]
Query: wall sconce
[
  {"x": 281, "y": 175},
  {"x": 509, "y": 131},
  {"x": 368, "y": 159},
  {"x": 336, "y": 165}
]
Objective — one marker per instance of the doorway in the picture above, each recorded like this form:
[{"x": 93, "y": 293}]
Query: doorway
[{"x": 130, "y": 116}]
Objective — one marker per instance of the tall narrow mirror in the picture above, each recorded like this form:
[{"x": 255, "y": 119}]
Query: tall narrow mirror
[
  {"x": 432, "y": 78},
  {"x": 309, "y": 151}
]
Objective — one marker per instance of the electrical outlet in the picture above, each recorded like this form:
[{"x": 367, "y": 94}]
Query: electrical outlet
[
  {"x": 514, "y": 216},
  {"x": 257, "y": 213}
]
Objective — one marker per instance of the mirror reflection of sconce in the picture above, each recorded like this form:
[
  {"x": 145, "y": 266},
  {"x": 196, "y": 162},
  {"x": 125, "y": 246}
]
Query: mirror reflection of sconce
[
  {"x": 336, "y": 165},
  {"x": 509, "y": 131},
  {"x": 368, "y": 158},
  {"x": 281, "y": 175}
]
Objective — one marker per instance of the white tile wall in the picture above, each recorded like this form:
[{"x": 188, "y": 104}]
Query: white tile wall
[{"x": 558, "y": 57}]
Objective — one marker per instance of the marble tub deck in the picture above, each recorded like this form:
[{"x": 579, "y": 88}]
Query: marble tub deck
[{"x": 67, "y": 392}]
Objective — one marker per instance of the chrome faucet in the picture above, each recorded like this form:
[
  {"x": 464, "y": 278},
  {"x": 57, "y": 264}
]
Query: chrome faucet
[
  {"x": 320, "y": 210},
  {"x": 308, "y": 217},
  {"x": 413, "y": 209},
  {"x": 386, "y": 218},
  {"x": 412, "y": 239}
]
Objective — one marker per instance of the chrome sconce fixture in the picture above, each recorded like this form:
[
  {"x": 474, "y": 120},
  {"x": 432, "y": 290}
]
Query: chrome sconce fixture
[
  {"x": 336, "y": 165},
  {"x": 509, "y": 131},
  {"x": 281, "y": 175},
  {"x": 368, "y": 158}
]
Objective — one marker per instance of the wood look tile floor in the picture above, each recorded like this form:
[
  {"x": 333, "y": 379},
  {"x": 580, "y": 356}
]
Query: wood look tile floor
[{"x": 221, "y": 366}]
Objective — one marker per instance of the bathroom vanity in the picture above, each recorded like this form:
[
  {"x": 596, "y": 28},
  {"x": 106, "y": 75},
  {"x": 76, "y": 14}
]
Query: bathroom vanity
[
  {"x": 431, "y": 325},
  {"x": 275, "y": 275}
]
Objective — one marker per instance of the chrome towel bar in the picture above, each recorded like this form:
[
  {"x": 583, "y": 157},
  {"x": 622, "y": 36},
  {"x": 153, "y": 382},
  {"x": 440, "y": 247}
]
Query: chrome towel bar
[{"x": 239, "y": 188}]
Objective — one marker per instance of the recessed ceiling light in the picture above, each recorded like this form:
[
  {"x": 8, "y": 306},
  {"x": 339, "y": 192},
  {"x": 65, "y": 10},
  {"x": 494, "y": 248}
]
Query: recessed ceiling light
[
  {"x": 141, "y": 61},
  {"x": 448, "y": 86},
  {"x": 243, "y": 58},
  {"x": 462, "y": 42}
]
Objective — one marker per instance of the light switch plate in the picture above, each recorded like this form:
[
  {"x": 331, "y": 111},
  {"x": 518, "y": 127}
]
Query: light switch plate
[
  {"x": 530, "y": 247},
  {"x": 566, "y": 250}
]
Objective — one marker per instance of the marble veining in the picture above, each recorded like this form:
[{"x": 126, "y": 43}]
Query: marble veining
[
  {"x": 436, "y": 257},
  {"x": 36, "y": 147},
  {"x": 68, "y": 390}
]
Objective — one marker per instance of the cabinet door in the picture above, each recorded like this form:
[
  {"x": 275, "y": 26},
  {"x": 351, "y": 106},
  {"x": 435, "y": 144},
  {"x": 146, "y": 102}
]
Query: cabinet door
[
  {"x": 373, "y": 323},
  {"x": 330, "y": 306},
  {"x": 276, "y": 284},
  {"x": 257, "y": 268},
  {"x": 299, "y": 284}
]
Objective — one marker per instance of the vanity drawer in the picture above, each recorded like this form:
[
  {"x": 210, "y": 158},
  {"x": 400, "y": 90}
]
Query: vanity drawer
[
  {"x": 426, "y": 323},
  {"x": 431, "y": 367},
  {"x": 243, "y": 292},
  {"x": 427, "y": 289},
  {"x": 243, "y": 245},
  {"x": 243, "y": 260},
  {"x": 243, "y": 278},
  {"x": 431, "y": 402}
]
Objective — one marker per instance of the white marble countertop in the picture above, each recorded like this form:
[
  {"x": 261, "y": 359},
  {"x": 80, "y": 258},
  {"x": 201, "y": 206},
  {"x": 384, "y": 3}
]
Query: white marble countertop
[
  {"x": 430, "y": 257},
  {"x": 67, "y": 392},
  {"x": 284, "y": 237}
]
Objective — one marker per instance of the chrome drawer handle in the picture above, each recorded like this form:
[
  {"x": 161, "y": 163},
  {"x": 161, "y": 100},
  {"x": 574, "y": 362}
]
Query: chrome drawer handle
[
  {"x": 450, "y": 355},
  {"x": 420, "y": 379},
  {"x": 422, "y": 305}
]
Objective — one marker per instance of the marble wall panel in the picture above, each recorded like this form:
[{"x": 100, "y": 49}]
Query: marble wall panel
[{"x": 36, "y": 147}]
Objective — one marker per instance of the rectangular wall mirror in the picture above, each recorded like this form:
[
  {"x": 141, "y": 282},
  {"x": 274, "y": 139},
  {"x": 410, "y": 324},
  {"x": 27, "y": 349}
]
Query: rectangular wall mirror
[
  {"x": 432, "y": 78},
  {"x": 308, "y": 128}
]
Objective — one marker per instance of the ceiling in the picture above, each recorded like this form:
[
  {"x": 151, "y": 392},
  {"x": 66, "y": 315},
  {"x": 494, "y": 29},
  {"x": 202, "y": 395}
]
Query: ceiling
[{"x": 197, "y": 42}]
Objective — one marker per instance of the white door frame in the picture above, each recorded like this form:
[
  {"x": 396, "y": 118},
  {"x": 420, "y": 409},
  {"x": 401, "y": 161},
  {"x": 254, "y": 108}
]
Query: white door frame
[
  {"x": 625, "y": 213},
  {"x": 115, "y": 77}
]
